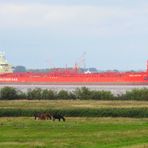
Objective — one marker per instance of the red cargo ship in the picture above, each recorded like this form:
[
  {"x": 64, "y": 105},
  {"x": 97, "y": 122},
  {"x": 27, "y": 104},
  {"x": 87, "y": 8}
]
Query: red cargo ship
[{"x": 70, "y": 76}]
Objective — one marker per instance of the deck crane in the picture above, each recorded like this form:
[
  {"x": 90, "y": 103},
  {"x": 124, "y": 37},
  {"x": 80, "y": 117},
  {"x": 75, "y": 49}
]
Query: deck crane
[{"x": 80, "y": 63}]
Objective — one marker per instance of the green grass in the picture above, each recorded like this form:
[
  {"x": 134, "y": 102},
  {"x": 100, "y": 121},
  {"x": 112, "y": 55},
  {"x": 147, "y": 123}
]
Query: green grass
[
  {"x": 73, "y": 108},
  {"x": 25, "y": 132},
  {"x": 71, "y": 104}
]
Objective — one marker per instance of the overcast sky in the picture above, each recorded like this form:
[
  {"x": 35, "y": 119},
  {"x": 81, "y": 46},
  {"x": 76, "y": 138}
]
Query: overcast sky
[{"x": 113, "y": 34}]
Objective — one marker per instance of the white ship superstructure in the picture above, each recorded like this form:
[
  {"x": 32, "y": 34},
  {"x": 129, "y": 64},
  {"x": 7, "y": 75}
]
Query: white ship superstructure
[{"x": 5, "y": 67}]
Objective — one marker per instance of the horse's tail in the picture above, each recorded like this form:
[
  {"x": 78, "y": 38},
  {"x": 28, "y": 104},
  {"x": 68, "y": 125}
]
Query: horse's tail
[{"x": 49, "y": 116}]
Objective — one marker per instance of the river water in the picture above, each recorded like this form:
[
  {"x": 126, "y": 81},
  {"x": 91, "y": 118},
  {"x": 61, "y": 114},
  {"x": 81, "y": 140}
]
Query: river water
[{"x": 115, "y": 89}]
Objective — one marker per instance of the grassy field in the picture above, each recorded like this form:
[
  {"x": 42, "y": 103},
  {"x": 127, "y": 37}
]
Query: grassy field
[
  {"x": 25, "y": 132},
  {"x": 60, "y": 104},
  {"x": 82, "y": 132}
]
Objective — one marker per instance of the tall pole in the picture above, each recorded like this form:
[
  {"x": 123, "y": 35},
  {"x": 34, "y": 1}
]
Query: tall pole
[{"x": 147, "y": 66}]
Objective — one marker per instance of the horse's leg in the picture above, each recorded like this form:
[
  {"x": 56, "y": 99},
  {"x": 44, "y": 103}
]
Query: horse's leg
[
  {"x": 35, "y": 117},
  {"x": 63, "y": 118},
  {"x": 45, "y": 117},
  {"x": 41, "y": 116}
]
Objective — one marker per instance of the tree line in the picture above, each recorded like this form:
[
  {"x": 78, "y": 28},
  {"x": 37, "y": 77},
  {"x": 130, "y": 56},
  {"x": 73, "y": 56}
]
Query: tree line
[{"x": 84, "y": 93}]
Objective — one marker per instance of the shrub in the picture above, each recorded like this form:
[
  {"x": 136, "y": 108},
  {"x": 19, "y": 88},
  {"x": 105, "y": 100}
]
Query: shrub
[
  {"x": 34, "y": 94},
  {"x": 63, "y": 94},
  {"x": 101, "y": 95},
  {"x": 102, "y": 112},
  {"x": 82, "y": 93},
  {"x": 135, "y": 94},
  {"x": 48, "y": 94},
  {"x": 21, "y": 95},
  {"x": 8, "y": 93},
  {"x": 72, "y": 96}
]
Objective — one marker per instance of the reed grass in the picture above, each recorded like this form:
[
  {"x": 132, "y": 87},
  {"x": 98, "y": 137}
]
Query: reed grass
[{"x": 71, "y": 104}]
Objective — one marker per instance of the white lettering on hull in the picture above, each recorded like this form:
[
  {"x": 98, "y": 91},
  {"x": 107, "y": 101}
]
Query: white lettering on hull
[{"x": 8, "y": 79}]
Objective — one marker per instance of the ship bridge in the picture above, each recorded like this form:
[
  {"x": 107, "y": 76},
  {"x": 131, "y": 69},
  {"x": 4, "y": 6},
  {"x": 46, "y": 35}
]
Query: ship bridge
[{"x": 5, "y": 67}]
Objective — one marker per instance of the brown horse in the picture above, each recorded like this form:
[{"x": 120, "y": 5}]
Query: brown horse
[{"x": 42, "y": 116}]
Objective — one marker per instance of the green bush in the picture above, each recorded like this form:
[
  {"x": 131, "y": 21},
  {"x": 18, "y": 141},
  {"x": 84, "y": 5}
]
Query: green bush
[
  {"x": 72, "y": 96},
  {"x": 34, "y": 94},
  {"x": 63, "y": 94},
  {"x": 101, "y": 95},
  {"x": 48, "y": 94},
  {"x": 8, "y": 93},
  {"x": 83, "y": 93},
  {"x": 135, "y": 94},
  {"x": 21, "y": 95}
]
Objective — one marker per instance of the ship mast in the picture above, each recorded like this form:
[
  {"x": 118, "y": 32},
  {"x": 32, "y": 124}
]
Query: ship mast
[{"x": 147, "y": 67}]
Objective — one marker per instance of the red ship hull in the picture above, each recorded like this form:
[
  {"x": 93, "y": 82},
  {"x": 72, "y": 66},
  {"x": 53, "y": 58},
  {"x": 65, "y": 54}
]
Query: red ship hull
[{"x": 76, "y": 78}]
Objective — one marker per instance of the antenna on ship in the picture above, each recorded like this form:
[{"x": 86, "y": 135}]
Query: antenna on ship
[
  {"x": 147, "y": 67},
  {"x": 81, "y": 61}
]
